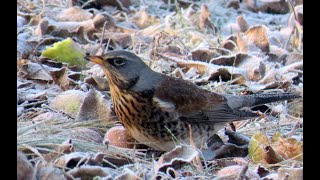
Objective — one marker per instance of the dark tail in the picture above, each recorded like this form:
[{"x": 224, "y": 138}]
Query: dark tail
[{"x": 238, "y": 102}]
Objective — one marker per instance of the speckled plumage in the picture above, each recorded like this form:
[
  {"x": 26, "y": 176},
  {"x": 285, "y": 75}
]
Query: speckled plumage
[{"x": 155, "y": 107}]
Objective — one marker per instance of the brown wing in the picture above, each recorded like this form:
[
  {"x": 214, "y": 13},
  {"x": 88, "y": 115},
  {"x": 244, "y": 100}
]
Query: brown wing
[
  {"x": 195, "y": 104},
  {"x": 186, "y": 96}
]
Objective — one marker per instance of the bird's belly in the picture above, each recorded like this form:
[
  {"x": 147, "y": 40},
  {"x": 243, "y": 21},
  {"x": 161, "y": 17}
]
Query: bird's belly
[
  {"x": 164, "y": 140},
  {"x": 150, "y": 140}
]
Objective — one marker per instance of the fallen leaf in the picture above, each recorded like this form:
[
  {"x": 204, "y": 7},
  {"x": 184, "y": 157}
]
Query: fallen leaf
[
  {"x": 264, "y": 150},
  {"x": 42, "y": 28},
  {"x": 74, "y": 13},
  {"x": 94, "y": 106},
  {"x": 35, "y": 71},
  {"x": 233, "y": 172},
  {"x": 290, "y": 173},
  {"x": 180, "y": 154},
  {"x": 24, "y": 167},
  {"x": 120, "y": 137},
  {"x": 65, "y": 51},
  {"x": 268, "y": 6},
  {"x": 50, "y": 172},
  {"x": 258, "y": 140},
  {"x": 69, "y": 101},
  {"x": 254, "y": 37},
  {"x": 235, "y": 4},
  {"x": 90, "y": 172},
  {"x": 143, "y": 19},
  {"x": 242, "y": 23}
]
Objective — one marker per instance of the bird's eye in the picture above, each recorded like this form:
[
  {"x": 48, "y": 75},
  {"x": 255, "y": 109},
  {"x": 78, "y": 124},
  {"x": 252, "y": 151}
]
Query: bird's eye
[{"x": 118, "y": 62}]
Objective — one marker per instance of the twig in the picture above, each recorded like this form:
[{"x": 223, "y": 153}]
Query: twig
[
  {"x": 221, "y": 49},
  {"x": 35, "y": 151},
  {"x": 56, "y": 111},
  {"x": 34, "y": 175},
  {"x": 103, "y": 31},
  {"x": 86, "y": 3},
  {"x": 295, "y": 127},
  {"x": 242, "y": 174},
  {"x": 29, "y": 10},
  {"x": 34, "y": 103},
  {"x": 43, "y": 8},
  {"x": 33, "y": 56},
  {"x": 293, "y": 10},
  {"x": 196, "y": 161}
]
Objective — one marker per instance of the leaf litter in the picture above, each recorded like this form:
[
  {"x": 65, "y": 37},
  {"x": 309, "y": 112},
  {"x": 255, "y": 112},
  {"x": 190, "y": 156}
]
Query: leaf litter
[{"x": 67, "y": 128}]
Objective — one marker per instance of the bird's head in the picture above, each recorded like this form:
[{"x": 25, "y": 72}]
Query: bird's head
[{"x": 122, "y": 68}]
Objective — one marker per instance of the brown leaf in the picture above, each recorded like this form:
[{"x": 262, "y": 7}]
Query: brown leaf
[
  {"x": 120, "y": 137},
  {"x": 50, "y": 172},
  {"x": 74, "y": 13},
  {"x": 178, "y": 155},
  {"x": 95, "y": 107},
  {"x": 290, "y": 173},
  {"x": 121, "y": 4},
  {"x": 118, "y": 39},
  {"x": 282, "y": 74},
  {"x": 254, "y": 37},
  {"x": 228, "y": 43},
  {"x": 127, "y": 174},
  {"x": 235, "y": 4},
  {"x": 60, "y": 77},
  {"x": 271, "y": 156},
  {"x": 42, "y": 28},
  {"x": 243, "y": 24},
  {"x": 79, "y": 159},
  {"x": 289, "y": 148},
  {"x": 24, "y": 167},
  {"x": 35, "y": 71},
  {"x": 233, "y": 172},
  {"x": 294, "y": 57},
  {"x": 100, "y": 83},
  {"x": 254, "y": 66},
  {"x": 89, "y": 172},
  {"x": 229, "y": 60},
  {"x": 143, "y": 19},
  {"x": 262, "y": 171},
  {"x": 204, "y": 18},
  {"x": 268, "y": 6},
  {"x": 71, "y": 159},
  {"x": 277, "y": 54}
]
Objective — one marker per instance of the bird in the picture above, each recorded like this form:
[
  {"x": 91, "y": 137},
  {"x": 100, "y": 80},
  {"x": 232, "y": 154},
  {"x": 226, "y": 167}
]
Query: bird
[{"x": 158, "y": 110}]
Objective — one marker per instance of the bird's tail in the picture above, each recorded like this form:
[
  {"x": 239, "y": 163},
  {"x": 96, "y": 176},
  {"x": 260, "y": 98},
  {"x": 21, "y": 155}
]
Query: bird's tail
[{"x": 238, "y": 102}]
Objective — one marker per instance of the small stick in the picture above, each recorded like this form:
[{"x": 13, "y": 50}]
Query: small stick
[
  {"x": 103, "y": 31},
  {"x": 56, "y": 111},
  {"x": 197, "y": 159}
]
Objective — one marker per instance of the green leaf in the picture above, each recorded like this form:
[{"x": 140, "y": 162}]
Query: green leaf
[{"x": 65, "y": 51}]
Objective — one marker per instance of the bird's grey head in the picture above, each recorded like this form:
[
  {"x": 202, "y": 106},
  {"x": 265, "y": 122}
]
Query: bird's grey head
[{"x": 122, "y": 68}]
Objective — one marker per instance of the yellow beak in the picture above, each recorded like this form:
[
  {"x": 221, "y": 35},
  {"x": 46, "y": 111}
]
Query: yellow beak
[{"x": 95, "y": 59}]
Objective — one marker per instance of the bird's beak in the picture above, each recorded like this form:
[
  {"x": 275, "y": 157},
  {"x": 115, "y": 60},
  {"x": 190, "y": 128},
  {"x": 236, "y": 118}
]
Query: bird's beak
[{"x": 95, "y": 59}]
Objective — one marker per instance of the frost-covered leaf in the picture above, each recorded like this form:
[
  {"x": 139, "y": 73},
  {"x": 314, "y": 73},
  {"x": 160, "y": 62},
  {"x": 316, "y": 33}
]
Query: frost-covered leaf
[
  {"x": 180, "y": 154},
  {"x": 24, "y": 167}
]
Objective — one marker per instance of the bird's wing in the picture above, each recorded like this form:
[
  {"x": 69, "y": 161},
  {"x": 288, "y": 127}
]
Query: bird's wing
[
  {"x": 193, "y": 103},
  {"x": 184, "y": 97}
]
